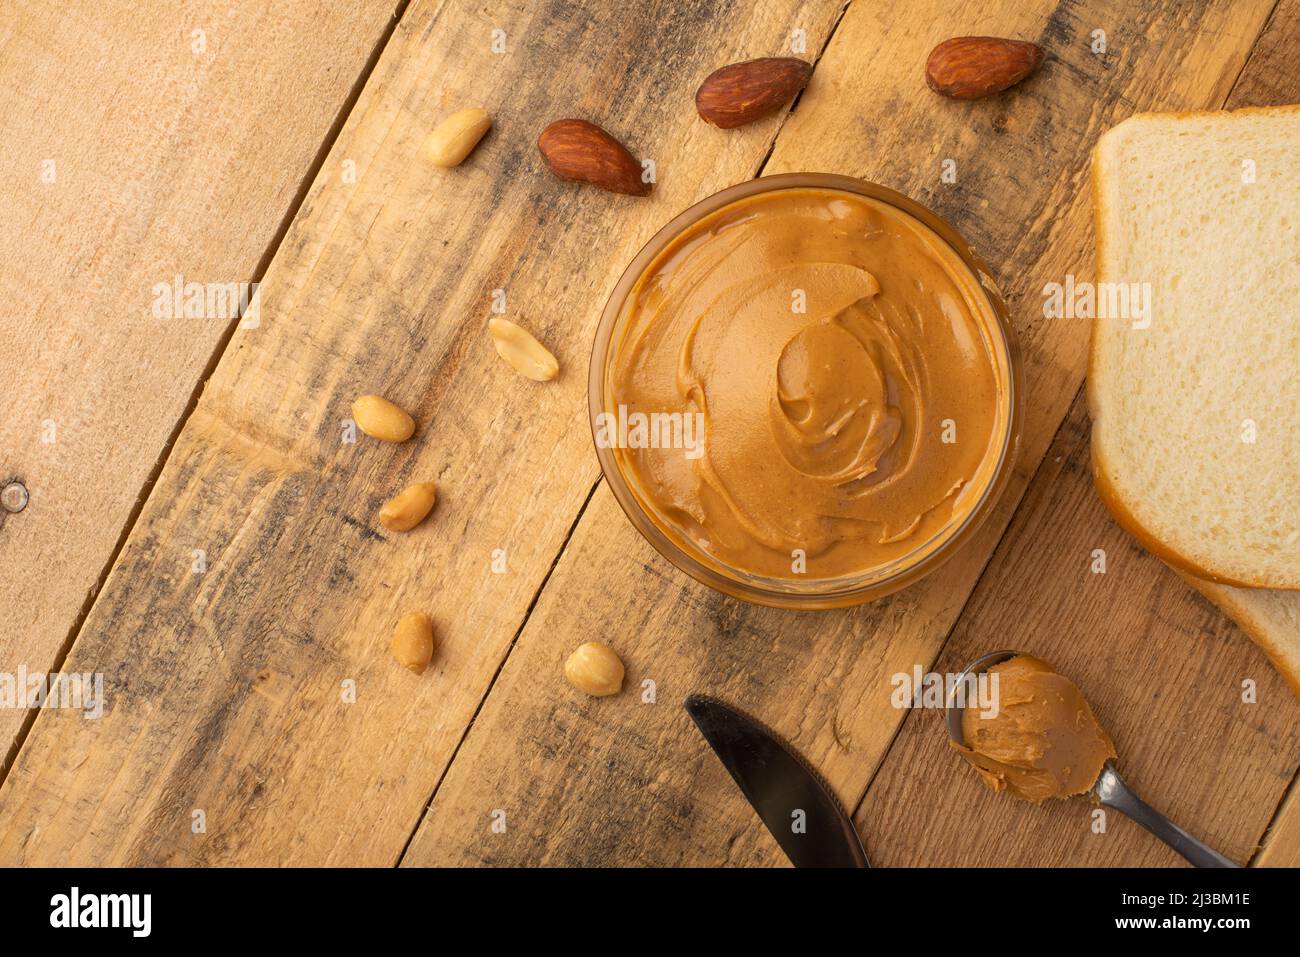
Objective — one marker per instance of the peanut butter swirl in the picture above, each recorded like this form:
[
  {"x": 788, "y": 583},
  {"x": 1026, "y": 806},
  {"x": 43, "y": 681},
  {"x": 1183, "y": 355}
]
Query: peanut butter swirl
[{"x": 842, "y": 357}]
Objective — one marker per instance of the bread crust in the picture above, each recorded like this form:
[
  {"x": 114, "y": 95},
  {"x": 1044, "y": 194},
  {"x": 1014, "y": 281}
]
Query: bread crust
[
  {"x": 1106, "y": 490},
  {"x": 1282, "y": 652},
  {"x": 1119, "y": 510}
]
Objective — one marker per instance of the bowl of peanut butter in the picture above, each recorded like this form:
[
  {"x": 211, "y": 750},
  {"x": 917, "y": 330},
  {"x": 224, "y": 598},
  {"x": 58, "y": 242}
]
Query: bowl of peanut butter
[{"x": 805, "y": 391}]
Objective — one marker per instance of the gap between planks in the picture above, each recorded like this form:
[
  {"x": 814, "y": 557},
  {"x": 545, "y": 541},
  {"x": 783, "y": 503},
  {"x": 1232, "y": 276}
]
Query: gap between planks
[
  {"x": 559, "y": 554},
  {"x": 523, "y": 622},
  {"x": 857, "y": 805},
  {"x": 957, "y": 619},
  {"x": 1292, "y": 793},
  {"x": 259, "y": 271},
  {"x": 1042, "y": 464}
]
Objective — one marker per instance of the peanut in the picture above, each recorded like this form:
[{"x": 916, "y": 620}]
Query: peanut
[
  {"x": 381, "y": 419},
  {"x": 413, "y": 641},
  {"x": 525, "y": 354},
  {"x": 595, "y": 669},
  {"x": 455, "y": 137},
  {"x": 407, "y": 508}
]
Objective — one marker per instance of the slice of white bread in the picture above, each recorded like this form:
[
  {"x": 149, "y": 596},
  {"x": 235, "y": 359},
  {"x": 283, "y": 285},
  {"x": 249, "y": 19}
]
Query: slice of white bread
[
  {"x": 1271, "y": 618},
  {"x": 1196, "y": 418}
]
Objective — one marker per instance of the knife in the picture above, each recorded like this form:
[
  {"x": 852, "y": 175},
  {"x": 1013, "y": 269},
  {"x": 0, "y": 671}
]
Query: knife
[{"x": 791, "y": 799}]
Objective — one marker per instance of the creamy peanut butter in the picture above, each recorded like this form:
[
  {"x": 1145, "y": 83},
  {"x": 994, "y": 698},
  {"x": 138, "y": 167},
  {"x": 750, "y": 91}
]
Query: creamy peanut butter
[
  {"x": 1044, "y": 741},
  {"x": 850, "y": 374}
]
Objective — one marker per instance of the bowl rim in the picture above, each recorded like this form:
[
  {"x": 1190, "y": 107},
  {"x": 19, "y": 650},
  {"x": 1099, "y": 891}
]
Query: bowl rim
[{"x": 844, "y": 591}]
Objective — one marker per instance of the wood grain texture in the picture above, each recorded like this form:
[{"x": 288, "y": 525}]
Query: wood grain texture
[
  {"x": 1281, "y": 844},
  {"x": 224, "y": 689},
  {"x": 1214, "y": 763},
  {"x": 1224, "y": 764},
  {"x": 616, "y": 781},
  {"x": 1162, "y": 668},
  {"x": 1271, "y": 76},
  {"x": 135, "y": 150}
]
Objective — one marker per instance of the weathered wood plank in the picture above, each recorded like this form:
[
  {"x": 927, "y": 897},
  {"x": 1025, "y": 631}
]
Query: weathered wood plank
[
  {"x": 141, "y": 142},
  {"x": 1281, "y": 844},
  {"x": 615, "y": 781},
  {"x": 1216, "y": 764},
  {"x": 1162, "y": 668},
  {"x": 224, "y": 688}
]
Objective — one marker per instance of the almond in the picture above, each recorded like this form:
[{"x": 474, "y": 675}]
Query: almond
[
  {"x": 967, "y": 68},
  {"x": 744, "y": 92},
  {"x": 582, "y": 152}
]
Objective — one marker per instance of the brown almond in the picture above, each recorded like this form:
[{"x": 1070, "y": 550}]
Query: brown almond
[
  {"x": 744, "y": 92},
  {"x": 582, "y": 152},
  {"x": 968, "y": 68}
]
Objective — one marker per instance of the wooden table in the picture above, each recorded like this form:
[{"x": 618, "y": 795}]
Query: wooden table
[{"x": 198, "y": 533}]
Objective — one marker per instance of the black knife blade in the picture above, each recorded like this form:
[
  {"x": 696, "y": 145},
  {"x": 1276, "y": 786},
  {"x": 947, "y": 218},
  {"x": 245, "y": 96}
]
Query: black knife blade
[{"x": 791, "y": 799}]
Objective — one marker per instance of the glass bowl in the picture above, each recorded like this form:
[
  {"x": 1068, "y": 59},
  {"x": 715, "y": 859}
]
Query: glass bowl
[{"x": 810, "y": 592}]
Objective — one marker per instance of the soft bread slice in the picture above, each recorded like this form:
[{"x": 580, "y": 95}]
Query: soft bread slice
[
  {"x": 1196, "y": 418},
  {"x": 1271, "y": 618}
]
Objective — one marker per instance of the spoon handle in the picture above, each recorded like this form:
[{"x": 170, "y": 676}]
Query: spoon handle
[{"x": 1112, "y": 792}]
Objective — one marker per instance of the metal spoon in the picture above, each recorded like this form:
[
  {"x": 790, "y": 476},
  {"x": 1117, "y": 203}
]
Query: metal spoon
[{"x": 1109, "y": 790}]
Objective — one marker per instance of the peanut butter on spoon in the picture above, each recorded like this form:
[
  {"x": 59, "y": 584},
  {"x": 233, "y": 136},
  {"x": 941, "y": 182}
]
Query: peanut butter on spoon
[{"x": 1043, "y": 742}]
